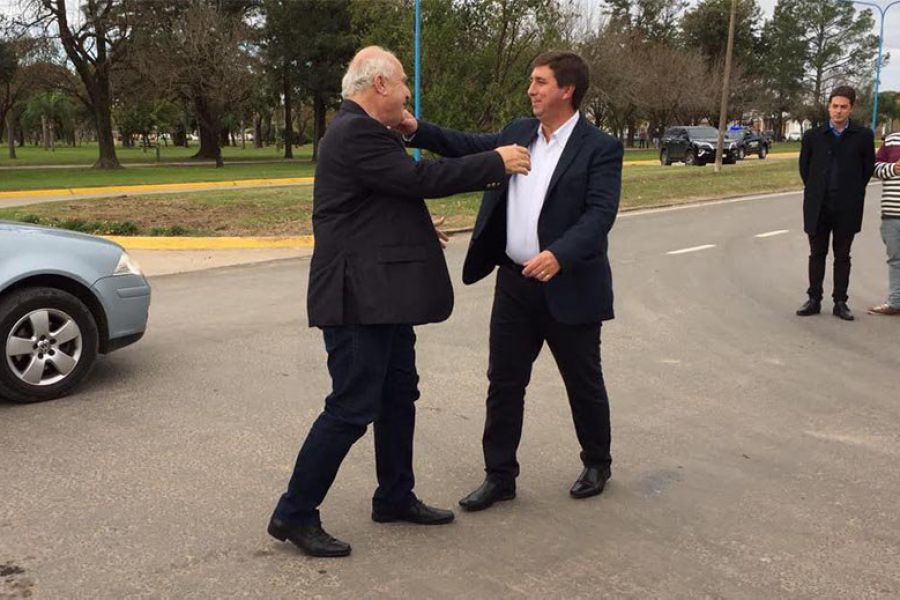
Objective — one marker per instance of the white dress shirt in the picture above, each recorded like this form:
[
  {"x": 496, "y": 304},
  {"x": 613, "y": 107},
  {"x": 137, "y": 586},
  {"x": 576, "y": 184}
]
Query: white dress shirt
[{"x": 527, "y": 192}]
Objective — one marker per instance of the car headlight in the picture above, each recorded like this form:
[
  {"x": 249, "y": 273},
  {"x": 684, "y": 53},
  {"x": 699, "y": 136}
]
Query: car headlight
[{"x": 127, "y": 266}]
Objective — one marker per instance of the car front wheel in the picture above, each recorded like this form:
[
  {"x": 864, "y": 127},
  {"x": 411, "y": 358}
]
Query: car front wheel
[
  {"x": 690, "y": 159},
  {"x": 50, "y": 342},
  {"x": 763, "y": 152},
  {"x": 664, "y": 158}
]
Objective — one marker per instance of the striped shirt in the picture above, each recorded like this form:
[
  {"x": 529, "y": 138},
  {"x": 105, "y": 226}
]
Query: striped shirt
[{"x": 887, "y": 170}]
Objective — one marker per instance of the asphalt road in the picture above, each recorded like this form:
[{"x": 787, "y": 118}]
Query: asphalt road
[{"x": 755, "y": 452}]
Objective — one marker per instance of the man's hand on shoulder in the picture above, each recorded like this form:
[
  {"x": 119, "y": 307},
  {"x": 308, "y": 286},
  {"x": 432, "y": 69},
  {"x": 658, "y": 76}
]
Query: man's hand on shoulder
[
  {"x": 542, "y": 267},
  {"x": 408, "y": 126}
]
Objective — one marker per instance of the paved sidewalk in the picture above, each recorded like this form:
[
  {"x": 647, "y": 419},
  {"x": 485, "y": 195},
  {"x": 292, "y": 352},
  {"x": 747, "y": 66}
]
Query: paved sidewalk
[{"x": 155, "y": 263}]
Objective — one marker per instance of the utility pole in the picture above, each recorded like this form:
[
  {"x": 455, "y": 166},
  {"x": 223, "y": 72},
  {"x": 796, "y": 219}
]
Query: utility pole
[{"x": 726, "y": 80}]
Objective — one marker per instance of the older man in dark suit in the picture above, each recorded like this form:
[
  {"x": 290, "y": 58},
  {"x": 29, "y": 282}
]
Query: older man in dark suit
[
  {"x": 547, "y": 230},
  {"x": 377, "y": 270},
  {"x": 836, "y": 162}
]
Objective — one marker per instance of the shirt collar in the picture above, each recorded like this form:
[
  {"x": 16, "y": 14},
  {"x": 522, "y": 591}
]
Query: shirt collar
[
  {"x": 835, "y": 130},
  {"x": 563, "y": 132}
]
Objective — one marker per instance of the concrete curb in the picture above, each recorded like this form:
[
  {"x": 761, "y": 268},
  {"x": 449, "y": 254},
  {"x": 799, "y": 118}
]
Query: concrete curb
[{"x": 156, "y": 187}]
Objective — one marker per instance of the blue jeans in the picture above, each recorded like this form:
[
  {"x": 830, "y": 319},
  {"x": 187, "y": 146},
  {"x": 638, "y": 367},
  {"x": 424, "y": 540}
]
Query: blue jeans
[
  {"x": 374, "y": 380},
  {"x": 890, "y": 233}
]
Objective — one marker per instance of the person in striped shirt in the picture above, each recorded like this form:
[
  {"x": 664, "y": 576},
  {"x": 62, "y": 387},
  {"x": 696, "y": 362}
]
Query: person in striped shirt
[{"x": 887, "y": 168}]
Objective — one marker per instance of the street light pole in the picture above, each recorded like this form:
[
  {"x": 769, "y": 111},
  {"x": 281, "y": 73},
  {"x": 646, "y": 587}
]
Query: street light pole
[
  {"x": 882, "y": 11},
  {"x": 723, "y": 107},
  {"x": 418, "y": 67}
]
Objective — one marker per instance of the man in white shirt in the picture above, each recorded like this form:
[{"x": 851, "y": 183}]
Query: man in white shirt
[{"x": 547, "y": 231}]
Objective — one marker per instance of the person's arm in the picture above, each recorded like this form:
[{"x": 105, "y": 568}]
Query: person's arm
[
  {"x": 451, "y": 143},
  {"x": 381, "y": 163},
  {"x": 805, "y": 156},
  {"x": 869, "y": 157},
  {"x": 584, "y": 240}
]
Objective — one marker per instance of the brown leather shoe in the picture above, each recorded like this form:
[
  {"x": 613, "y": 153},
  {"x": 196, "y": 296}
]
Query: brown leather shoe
[{"x": 884, "y": 309}]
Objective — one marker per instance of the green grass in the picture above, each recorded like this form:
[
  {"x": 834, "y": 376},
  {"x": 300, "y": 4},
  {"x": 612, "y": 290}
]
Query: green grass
[
  {"x": 86, "y": 154},
  {"x": 288, "y": 211},
  {"x": 87, "y": 177}
]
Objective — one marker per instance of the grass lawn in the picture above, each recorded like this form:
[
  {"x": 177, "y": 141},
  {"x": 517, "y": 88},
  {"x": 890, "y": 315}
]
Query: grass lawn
[
  {"x": 27, "y": 179},
  {"x": 288, "y": 211},
  {"x": 86, "y": 154}
]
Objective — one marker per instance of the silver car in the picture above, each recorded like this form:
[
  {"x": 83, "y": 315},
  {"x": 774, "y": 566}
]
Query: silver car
[{"x": 65, "y": 297}]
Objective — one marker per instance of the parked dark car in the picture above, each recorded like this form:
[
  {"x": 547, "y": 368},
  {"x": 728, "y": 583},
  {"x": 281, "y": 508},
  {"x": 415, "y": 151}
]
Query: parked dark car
[
  {"x": 695, "y": 145},
  {"x": 751, "y": 142}
]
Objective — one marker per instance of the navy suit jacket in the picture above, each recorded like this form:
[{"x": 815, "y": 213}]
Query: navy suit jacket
[
  {"x": 377, "y": 259},
  {"x": 578, "y": 213}
]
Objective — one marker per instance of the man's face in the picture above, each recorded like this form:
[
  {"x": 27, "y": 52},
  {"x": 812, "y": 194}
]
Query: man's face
[
  {"x": 839, "y": 110},
  {"x": 396, "y": 96},
  {"x": 547, "y": 98}
]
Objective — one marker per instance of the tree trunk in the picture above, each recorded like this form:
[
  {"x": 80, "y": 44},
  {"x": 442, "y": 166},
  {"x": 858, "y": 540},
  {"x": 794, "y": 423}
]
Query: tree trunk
[
  {"x": 45, "y": 132},
  {"x": 257, "y": 131},
  {"x": 319, "y": 109},
  {"x": 179, "y": 136},
  {"x": 243, "y": 136},
  {"x": 105, "y": 139},
  {"x": 11, "y": 130},
  {"x": 288, "y": 115},
  {"x": 223, "y": 138}
]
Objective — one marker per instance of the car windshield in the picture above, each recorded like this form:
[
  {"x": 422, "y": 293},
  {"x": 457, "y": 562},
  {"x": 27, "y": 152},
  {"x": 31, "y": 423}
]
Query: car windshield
[{"x": 703, "y": 132}]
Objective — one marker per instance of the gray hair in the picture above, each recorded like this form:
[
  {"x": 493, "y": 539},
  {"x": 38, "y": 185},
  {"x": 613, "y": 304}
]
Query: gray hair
[{"x": 363, "y": 70}]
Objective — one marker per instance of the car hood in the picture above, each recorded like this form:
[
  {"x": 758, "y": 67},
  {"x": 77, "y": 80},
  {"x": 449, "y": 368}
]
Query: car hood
[{"x": 28, "y": 229}]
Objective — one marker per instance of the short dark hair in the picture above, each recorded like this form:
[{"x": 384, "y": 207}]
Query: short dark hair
[
  {"x": 569, "y": 69},
  {"x": 844, "y": 91}
]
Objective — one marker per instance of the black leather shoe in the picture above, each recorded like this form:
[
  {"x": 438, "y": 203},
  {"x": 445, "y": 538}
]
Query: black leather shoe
[
  {"x": 810, "y": 307},
  {"x": 418, "y": 512},
  {"x": 842, "y": 311},
  {"x": 590, "y": 482},
  {"x": 487, "y": 493},
  {"x": 312, "y": 539}
]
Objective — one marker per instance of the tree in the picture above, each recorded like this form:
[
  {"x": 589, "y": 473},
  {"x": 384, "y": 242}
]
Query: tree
[
  {"x": 840, "y": 48},
  {"x": 705, "y": 28},
  {"x": 654, "y": 20},
  {"x": 201, "y": 54},
  {"x": 785, "y": 56},
  {"x": 93, "y": 48}
]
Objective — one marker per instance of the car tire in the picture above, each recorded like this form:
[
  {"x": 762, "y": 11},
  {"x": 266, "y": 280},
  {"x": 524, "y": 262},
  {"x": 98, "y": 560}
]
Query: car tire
[
  {"x": 742, "y": 153},
  {"x": 52, "y": 367},
  {"x": 763, "y": 151},
  {"x": 690, "y": 159},
  {"x": 664, "y": 158}
]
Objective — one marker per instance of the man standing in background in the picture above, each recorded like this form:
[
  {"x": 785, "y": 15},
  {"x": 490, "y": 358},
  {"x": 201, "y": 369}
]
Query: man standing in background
[{"x": 836, "y": 162}]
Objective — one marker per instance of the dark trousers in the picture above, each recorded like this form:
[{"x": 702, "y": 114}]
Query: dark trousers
[
  {"x": 520, "y": 324},
  {"x": 830, "y": 225},
  {"x": 374, "y": 380}
]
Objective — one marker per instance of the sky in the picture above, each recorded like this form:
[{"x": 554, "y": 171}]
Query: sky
[{"x": 890, "y": 75}]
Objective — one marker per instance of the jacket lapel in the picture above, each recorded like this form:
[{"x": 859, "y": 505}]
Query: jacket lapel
[{"x": 573, "y": 146}]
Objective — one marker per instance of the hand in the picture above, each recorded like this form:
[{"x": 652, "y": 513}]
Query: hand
[
  {"x": 516, "y": 159},
  {"x": 409, "y": 125},
  {"x": 542, "y": 267},
  {"x": 443, "y": 238}
]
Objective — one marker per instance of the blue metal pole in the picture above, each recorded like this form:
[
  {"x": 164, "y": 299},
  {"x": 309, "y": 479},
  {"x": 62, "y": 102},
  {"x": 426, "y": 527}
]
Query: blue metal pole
[
  {"x": 882, "y": 12},
  {"x": 418, "y": 106}
]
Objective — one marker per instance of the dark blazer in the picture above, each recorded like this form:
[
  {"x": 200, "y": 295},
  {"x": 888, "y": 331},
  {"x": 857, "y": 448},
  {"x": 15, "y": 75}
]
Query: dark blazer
[
  {"x": 377, "y": 259},
  {"x": 578, "y": 212},
  {"x": 855, "y": 162}
]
